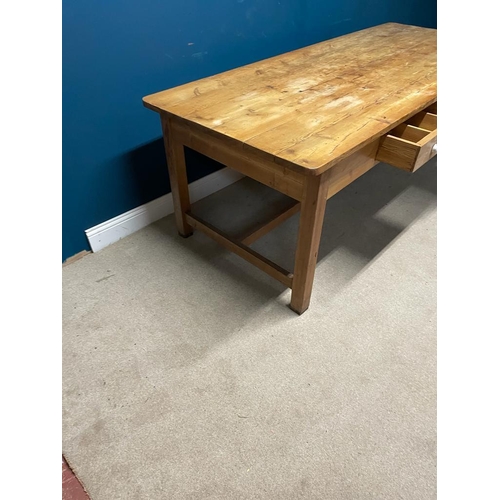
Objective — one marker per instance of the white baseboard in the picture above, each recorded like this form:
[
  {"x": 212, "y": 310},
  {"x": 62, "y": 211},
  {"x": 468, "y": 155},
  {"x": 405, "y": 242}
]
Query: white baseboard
[{"x": 115, "y": 229}]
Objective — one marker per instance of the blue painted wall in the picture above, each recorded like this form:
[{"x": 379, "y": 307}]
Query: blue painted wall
[{"x": 114, "y": 53}]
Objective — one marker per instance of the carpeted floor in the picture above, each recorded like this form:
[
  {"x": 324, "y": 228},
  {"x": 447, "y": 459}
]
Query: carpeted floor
[{"x": 185, "y": 376}]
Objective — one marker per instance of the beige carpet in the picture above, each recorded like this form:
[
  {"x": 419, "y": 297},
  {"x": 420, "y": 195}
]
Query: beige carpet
[{"x": 187, "y": 377}]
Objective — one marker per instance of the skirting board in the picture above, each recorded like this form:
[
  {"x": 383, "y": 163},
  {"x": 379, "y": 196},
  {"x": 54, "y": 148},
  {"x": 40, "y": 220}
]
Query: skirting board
[{"x": 115, "y": 229}]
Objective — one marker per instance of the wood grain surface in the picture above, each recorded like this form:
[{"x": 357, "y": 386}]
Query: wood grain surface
[{"x": 310, "y": 108}]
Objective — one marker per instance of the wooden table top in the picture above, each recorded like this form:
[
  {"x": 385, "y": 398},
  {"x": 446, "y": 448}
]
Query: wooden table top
[{"x": 314, "y": 106}]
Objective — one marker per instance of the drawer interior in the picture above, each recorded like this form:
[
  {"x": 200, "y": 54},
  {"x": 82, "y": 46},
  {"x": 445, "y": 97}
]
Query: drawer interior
[
  {"x": 409, "y": 132},
  {"x": 424, "y": 120},
  {"x": 411, "y": 144}
]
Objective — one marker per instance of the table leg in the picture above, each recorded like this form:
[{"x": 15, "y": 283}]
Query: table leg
[
  {"x": 176, "y": 163},
  {"x": 311, "y": 222}
]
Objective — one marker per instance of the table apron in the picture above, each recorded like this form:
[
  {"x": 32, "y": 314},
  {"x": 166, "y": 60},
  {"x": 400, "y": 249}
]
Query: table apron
[{"x": 241, "y": 159}]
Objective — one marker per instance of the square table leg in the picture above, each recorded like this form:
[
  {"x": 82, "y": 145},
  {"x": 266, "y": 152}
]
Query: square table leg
[
  {"x": 311, "y": 223},
  {"x": 176, "y": 163}
]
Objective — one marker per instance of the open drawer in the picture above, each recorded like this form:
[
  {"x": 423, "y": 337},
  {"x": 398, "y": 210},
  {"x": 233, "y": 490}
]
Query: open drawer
[{"x": 411, "y": 144}]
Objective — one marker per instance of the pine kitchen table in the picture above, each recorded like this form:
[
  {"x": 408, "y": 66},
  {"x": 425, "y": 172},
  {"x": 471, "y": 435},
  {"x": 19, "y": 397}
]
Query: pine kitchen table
[{"x": 306, "y": 123}]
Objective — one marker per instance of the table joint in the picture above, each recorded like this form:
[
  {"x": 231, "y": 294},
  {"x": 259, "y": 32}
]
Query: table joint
[{"x": 239, "y": 248}]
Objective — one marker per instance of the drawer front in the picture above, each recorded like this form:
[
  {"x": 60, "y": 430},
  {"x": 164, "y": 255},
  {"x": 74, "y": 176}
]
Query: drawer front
[{"x": 411, "y": 144}]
